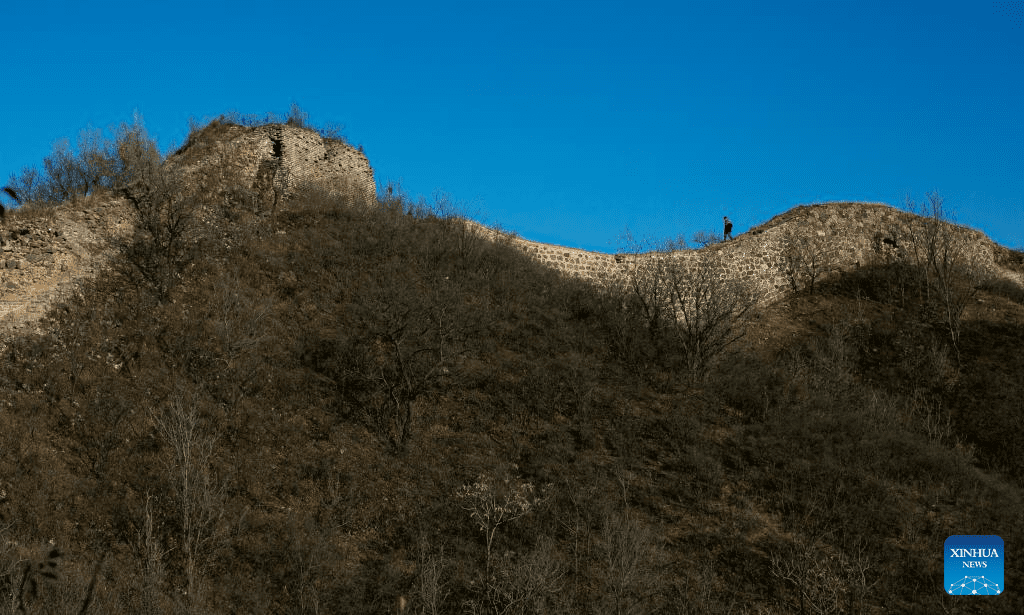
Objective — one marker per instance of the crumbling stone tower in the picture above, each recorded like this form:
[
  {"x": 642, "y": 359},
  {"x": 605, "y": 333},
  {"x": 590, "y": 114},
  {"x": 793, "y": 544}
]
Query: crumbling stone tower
[{"x": 272, "y": 162}]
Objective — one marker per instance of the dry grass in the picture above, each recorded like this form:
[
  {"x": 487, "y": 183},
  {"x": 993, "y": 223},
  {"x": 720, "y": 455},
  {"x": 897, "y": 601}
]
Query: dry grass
[{"x": 31, "y": 212}]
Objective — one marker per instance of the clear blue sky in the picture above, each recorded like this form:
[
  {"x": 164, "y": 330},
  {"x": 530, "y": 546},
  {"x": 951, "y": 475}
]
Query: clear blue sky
[{"x": 568, "y": 121}]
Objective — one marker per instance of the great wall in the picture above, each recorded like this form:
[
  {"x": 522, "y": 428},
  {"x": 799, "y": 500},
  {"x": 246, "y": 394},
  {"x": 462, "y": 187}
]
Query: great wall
[
  {"x": 273, "y": 161},
  {"x": 44, "y": 258},
  {"x": 844, "y": 236}
]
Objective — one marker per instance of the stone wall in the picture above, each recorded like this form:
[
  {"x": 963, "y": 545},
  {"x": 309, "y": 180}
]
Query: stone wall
[
  {"x": 277, "y": 159},
  {"x": 273, "y": 161},
  {"x": 44, "y": 258},
  {"x": 845, "y": 236}
]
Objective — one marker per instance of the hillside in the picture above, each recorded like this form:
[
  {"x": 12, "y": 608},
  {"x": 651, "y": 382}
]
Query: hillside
[{"x": 338, "y": 408}]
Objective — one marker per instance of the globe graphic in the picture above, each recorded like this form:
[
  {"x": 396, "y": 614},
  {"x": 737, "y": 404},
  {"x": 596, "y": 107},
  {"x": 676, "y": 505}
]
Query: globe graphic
[{"x": 973, "y": 586}]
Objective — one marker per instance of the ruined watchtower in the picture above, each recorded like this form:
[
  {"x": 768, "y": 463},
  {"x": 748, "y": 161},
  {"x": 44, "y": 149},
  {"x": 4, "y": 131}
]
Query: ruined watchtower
[{"x": 272, "y": 162}]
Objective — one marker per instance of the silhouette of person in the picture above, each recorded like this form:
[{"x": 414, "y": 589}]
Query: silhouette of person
[{"x": 728, "y": 227}]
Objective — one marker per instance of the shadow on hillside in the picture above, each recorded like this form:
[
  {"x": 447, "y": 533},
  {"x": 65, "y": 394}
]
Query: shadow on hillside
[{"x": 332, "y": 398}]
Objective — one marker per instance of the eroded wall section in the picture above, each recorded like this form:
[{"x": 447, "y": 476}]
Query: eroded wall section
[{"x": 844, "y": 236}]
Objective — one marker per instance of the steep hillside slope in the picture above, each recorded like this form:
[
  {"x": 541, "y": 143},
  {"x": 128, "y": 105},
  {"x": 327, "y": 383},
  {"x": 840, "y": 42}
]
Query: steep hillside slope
[{"x": 323, "y": 413}]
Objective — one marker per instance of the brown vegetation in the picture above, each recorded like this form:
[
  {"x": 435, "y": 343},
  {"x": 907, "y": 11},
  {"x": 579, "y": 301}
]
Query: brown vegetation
[{"x": 360, "y": 408}]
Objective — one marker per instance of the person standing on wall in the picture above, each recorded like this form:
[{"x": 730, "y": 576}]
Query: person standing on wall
[{"x": 728, "y": 227}]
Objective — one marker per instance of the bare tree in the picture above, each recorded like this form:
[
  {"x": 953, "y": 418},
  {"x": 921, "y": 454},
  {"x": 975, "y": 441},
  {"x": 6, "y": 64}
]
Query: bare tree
[
  {"x": 806, "y": 258},
  {"x": 509, "y": 585},
  {"x": 708, "y": 311},
  {"x": 297, "y": 117},
  {"x": 152, "y": 554},
  {"x": 199, "y": 496},
  {"x": 400, "y": 345},
  {"x": 97, "y": 162},
  {"x": 825, "y": 583},
  {"x": 431, "y": 580},
  {"x": 27, "y": 185},
  {"x": 632, "y": 559},
  {"x": 948, "y": 268},
  {"x": 133, "y": 156},
  {"x": 65, "y": 179},
  {"x": 690, "y": 306},
  {"x": 524, "y": 584},
  {"x": 166, "y": 235},
  {"x": 93, "y": 160},
  {"x": 706, "y": 238}
]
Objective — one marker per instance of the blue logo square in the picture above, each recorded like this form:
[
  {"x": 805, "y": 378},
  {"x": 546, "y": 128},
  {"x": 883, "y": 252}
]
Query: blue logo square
[{"x": 974, "y": 566}]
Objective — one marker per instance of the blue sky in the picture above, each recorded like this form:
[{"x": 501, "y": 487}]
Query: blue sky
[{"x": 568, "y": 121}]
